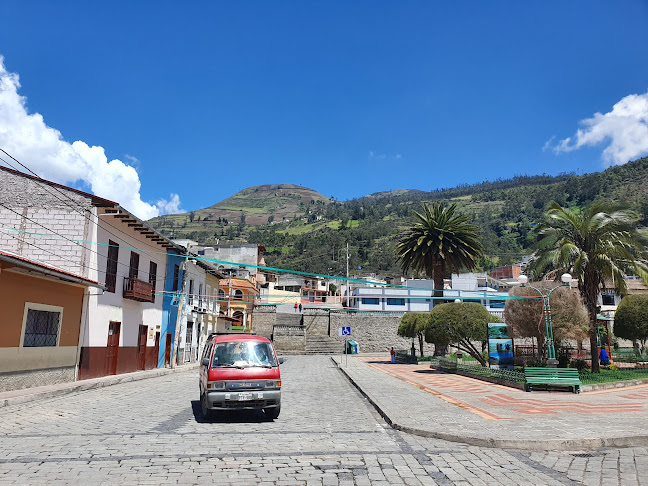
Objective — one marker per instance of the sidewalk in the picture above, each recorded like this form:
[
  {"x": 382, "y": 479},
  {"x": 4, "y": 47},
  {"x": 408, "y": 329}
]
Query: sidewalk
[
  {"x": 38, "y": 392},
  {"x": 422, "y": 401}
]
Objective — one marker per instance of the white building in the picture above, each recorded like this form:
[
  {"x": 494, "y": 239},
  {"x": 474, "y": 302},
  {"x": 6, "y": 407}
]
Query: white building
[
  {"x": 417, "y": 295},
  {"x": 99, "y": 240}
]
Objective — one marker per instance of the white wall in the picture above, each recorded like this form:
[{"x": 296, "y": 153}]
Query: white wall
[{"x": 107, "y": 306}]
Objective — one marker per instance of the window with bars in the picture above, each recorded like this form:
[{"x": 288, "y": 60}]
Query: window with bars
[
  {"x": 41, "y": 328},
  {"x": 111, "y": 266}
]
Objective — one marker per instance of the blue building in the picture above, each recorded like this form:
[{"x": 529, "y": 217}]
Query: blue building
[{"x": 171, "y": 300}]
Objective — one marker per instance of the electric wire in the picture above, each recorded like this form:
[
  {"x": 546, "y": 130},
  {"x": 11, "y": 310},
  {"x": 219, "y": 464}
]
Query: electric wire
[{"x": 83, "y": 211}]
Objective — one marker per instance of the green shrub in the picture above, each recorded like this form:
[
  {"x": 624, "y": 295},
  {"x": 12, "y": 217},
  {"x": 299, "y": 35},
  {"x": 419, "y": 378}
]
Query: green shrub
[{"x": 579, "y": 364}]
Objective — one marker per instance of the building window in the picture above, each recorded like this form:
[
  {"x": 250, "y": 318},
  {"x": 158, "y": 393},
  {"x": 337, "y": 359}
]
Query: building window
[
  {"x": 153, "y": 277},
  {"x": 111, "y": 266},
  {"x": 238, "y": 295},
  {"x": 395, "y": 301},
  {"x": 176, "y": 277},
  {"x": 370, "y": 301},
  {"x": 607, "y": 299},
  {"x": 133, "y": 270},
  {"x": 41, "y": 325},
  {"x": 221, "y": 294},
  {"x": 191, "y": 289}
]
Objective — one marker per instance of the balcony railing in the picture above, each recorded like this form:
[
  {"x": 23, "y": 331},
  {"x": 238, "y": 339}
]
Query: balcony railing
[{"x": 138, "y": 290}]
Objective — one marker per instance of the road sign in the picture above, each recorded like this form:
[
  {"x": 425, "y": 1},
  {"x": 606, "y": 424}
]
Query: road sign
[{"x": 345, "y": 331}]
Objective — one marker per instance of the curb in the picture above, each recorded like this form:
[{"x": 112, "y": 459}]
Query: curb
[
  {"x": 531, "y": 445},
  {"x": 38, "y": 393}
]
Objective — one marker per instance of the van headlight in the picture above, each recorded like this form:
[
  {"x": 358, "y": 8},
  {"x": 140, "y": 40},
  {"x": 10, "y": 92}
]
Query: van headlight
[
  {"x": 273, "y": 384},
  {"x": 216, "y": 385}
]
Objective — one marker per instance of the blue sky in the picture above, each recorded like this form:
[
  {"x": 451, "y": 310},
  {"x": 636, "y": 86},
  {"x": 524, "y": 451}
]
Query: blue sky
[{"x": 203, "y": 99}]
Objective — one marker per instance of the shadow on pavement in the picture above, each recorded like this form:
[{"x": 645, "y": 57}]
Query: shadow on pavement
[{"x": 229, "y": 416}]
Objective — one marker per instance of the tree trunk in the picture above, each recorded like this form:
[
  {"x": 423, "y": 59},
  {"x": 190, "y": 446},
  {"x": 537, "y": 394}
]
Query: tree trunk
[
  {"x": 593, "y": 338},
  {"x": 438, "y": 274}
]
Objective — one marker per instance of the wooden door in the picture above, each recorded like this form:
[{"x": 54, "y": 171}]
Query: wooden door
[
  {"x": 112, "y": 353},
  {"x": 141, "y": 347},
  {"x": 167, "y": 349},
  {"x": 156, "y": 353}
]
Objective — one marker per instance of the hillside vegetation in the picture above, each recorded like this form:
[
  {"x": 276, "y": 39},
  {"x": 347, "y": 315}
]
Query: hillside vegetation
[{"x": 303, "y": 230}]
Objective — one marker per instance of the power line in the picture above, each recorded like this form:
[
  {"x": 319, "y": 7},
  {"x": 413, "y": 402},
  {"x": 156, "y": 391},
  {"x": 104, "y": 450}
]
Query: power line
[{"x": 49, "y": 188}]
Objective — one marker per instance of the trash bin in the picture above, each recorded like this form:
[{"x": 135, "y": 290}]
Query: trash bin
[{"x": 352, "y": 347}]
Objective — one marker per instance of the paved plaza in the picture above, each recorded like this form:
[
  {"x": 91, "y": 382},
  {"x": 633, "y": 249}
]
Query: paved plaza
[
  {"x": 418, "y": 398},
  {"x": 151, "y": 432}
]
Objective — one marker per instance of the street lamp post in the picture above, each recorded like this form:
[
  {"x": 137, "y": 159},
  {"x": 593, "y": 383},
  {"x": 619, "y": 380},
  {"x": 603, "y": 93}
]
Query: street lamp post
[{"x": 546, "y": 309}]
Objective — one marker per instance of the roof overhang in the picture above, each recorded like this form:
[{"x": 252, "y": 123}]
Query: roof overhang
[{"x": 44, "y": 269}]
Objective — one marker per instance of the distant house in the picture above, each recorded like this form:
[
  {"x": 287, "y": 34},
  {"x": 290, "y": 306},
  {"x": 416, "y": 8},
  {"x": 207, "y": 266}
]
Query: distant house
[
  {"x": 236, "y": 297},
  {"x": 42, "y": 312}
]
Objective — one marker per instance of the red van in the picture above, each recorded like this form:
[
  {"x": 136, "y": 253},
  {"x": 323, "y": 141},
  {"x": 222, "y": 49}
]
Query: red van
[{"x": 240, "y": 372}]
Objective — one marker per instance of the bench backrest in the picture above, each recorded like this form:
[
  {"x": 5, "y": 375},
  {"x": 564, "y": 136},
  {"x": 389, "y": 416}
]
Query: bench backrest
[{"x": 551, "y": 372}]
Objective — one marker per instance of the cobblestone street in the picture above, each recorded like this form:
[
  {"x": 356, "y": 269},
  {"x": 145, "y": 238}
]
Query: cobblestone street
[{"x": 152, "y": 432}]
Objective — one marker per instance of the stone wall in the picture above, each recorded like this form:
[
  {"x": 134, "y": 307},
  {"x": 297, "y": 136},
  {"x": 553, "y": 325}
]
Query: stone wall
[
  {"x": 316, "y": 322},
  {"x": 289, "y": 339},
  {"x": 374, "y": 332},
  {"x": 263, "y": 320},
  {"x": 17, "y": 380}
]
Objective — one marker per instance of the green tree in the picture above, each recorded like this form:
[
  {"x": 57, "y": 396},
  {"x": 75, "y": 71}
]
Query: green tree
[
  {"x": 461, "y": 324},
  {"x": 413, "y": 325},
  {"x": 332, "y": 289},
  {"x": 439, "y": 242},
  {"x": 597, "y": 246},
  {"x": 192, "y": 215},
  {"x": 631, "y": 319}
]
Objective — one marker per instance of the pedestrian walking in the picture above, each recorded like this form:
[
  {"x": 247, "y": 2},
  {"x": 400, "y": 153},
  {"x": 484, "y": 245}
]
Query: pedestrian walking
[
  {"x": 392, "y": 353},
  {"x": 300, "y": 307},
  {"x": 295, "y": 306}
]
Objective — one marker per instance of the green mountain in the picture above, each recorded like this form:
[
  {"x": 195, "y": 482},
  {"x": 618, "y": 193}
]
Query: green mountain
[{"x": 315, "y": 237}]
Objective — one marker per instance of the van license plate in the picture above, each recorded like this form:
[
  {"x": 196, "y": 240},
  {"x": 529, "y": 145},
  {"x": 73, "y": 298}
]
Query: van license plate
[{"x": 245, "y": 396}]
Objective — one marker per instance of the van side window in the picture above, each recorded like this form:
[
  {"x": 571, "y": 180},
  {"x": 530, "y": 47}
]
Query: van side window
[{"x": 207, "y": 351}]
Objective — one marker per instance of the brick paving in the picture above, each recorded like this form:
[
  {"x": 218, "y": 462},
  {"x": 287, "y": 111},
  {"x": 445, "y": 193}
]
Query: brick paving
[
  {"x": 151, "y": 432},
  {"x": 419, "y": 398}
]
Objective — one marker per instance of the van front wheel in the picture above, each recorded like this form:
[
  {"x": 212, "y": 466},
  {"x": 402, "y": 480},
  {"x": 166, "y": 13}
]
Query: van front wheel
[
  {"x": 204, "y": 407},
  {"x": 272, "y": 413}
]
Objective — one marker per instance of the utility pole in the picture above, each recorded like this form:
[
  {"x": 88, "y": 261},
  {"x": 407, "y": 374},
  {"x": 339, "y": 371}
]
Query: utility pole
[
  {"x": 348, "y": 284},
  {"x": 176, "y": 336}
]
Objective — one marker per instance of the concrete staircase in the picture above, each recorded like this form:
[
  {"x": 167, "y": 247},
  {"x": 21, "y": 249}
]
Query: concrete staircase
[
  {"x": 286, "y": 319},
  {"x": 316, "y": 344}
]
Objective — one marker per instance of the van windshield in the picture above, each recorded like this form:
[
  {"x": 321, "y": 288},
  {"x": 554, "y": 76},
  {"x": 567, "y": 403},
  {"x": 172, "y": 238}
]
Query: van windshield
[{"x": 243, "y": 354}]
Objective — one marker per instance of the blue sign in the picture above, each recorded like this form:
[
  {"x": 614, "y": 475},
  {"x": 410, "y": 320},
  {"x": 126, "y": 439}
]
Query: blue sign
[
  {"x": 345, "y": 331},
  {"x": 359, "y": 268}
]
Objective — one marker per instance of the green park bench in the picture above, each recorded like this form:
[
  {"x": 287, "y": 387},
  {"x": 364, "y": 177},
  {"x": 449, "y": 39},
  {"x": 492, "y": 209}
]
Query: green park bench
[{"x": 552, "y": 376}]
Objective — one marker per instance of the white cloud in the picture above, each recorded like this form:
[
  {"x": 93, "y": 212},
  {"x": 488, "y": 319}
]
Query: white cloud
[
  {"x": 624, "y": 130},
  {"x": 43, "y": 149},
  {"x": 172, "y": 206}
]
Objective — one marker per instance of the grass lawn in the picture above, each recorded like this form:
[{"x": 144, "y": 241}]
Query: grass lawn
[{"x": 607, "y": 376}]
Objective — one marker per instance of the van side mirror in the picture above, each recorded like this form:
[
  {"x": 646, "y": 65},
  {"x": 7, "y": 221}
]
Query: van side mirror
[
  {"x": 281, "y": 360},
  {"x": 205, "y": 362}
]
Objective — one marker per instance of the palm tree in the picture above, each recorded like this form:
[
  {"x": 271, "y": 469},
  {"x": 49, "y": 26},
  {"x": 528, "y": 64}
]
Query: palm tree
[
  {"x": 596, "y": 246},
  {"x": 439, "y": 242}
]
